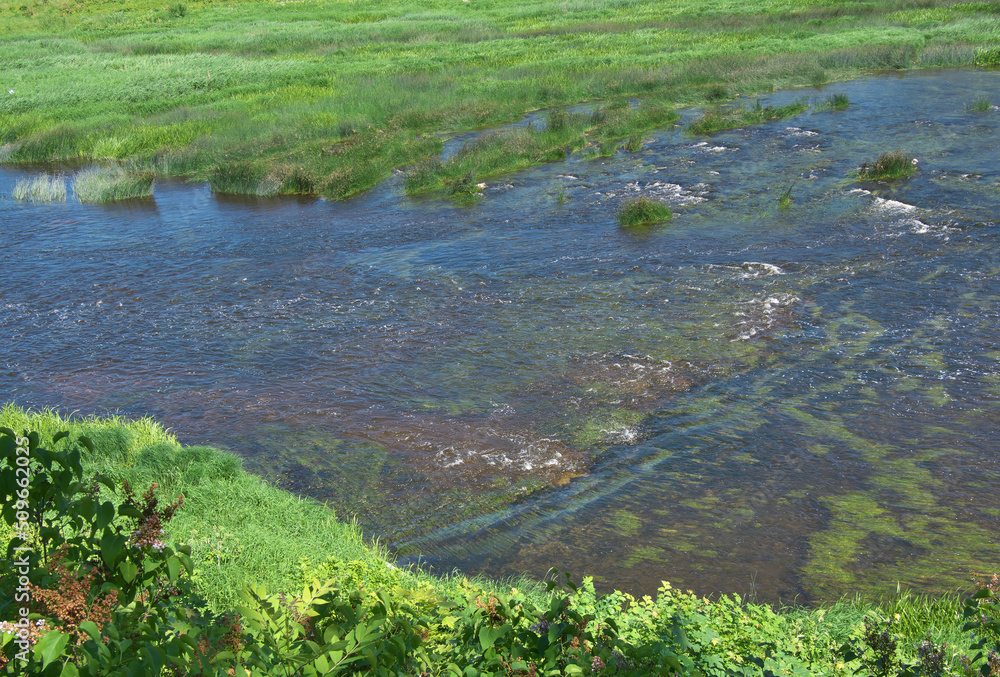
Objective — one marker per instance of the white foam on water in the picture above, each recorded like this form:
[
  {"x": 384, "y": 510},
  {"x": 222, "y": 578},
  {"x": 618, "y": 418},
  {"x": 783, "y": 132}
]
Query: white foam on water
[
  {"x": 671, "y": 193},
  {"x": 759, "y": 268},
  {"x": 884, "y": 206},
  {"x": 798, "y": 131},
  {"x": 761, "y": 314},
  {"x": 705, "y": 146}
]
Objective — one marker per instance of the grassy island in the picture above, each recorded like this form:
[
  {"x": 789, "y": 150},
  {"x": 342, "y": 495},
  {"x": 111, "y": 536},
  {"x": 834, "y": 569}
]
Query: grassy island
[
  {"x": 147, "y": 557},
  {"x": 265, "y": 97}
]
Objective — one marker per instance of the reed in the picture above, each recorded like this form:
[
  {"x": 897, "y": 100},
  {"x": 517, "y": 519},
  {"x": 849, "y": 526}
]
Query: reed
[
  {"x": 980, "y": 105},
  {"x": 643, "y": 212},
  {"x": 891, "y": 165},
  {"x": 110, "y": 184},
  {"x": 40, "y": 189},
  {"x": 718, "y": 119},
  {"x": 838, "y": 102}
]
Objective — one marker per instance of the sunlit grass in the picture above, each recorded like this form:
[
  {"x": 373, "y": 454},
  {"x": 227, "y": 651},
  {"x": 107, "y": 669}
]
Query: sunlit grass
[
  {"x": 643, "y": 212},
  {"x": 718, "y": 119},
  {"x": 113, "y": 183},
  {"x": 838, "y": 102},
  {"x": 891, "y": 165},
  {"x": 330, "y": 98},
  {"x": 980, "y": 105},
  {"x": 40, "y": 189},
  {"x": 121, "y": 437}
]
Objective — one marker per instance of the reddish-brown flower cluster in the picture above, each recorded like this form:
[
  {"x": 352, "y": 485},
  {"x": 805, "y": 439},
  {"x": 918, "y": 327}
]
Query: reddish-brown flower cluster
[
  {"x": 70, "y": 602},
  {"x": 148, "y": 532},
  {"x": 490, "y": 607},
  {"x": 35, "y": 631},
  {"x": 231, "y": 641}
]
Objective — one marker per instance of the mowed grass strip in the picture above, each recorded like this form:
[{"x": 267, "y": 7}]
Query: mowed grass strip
[{"x": 331, "y": 97}]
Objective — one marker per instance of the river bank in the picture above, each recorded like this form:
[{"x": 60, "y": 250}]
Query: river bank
[
  {"x": 244, "y": 533},
  {"x": 329, "y": 98}
]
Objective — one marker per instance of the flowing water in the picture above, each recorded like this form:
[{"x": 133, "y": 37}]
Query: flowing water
[{"x": 799, "y": 401}]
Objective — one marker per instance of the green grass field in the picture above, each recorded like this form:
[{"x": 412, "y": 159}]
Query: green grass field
[{"x": 329, "y": 97}]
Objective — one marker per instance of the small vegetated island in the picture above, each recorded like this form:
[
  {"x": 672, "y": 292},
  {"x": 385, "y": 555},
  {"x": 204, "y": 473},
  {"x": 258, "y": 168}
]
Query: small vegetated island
[{"x": 128, "y": 553}]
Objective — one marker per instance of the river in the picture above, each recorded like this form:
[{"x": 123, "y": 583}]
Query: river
[{"x": 792, "y": 403}]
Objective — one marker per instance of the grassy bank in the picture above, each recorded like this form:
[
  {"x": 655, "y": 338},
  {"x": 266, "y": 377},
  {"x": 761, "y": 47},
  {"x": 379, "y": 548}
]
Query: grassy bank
[
  {"x": 234, "y": 532},
  {"x": 330, "y": 97}
]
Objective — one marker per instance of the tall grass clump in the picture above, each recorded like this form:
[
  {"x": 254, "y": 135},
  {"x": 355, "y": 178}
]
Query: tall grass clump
[
  {"x": 642, "y": 212},
  {"x": 109, "y": 184},
  {"x": 838, "y": 102},
  {"x": 242, "y": 178},
  {"x": 117, "y": 437},
  {"x": 988, "y": 57},
  {"x": 40, "y": 189},
  {"x": 785, "y": 201},
  {"x": 718, "y": 119},
  {"x": 891, "y": 165},
  {"x": 980, "y": 105}
]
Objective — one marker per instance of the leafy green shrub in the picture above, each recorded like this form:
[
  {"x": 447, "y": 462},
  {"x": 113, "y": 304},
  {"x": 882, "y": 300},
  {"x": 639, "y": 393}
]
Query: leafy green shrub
[
  {"x": 100, "y": 575},
  {"x": 112, "y": 595},
  {"x": 642, "y": 211},
  {"x": 892, "y": 165},
  {"x": 373, "y": 574}
]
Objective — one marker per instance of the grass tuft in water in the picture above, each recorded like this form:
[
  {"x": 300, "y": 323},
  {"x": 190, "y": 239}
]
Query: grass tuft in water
[
  {"x": 718, "y": 119},
  {"x": 838, "y": 102},
  {"x": 642, "y": 212},
  {"x": 980, "y": 105},
  {"x": 109, "y": 184},
  {"x": 41, "y": 189},
  {"x": 892, "y": 165},
  {"x": 785, "y": 201},
  {"x": 242, "y": 178}
]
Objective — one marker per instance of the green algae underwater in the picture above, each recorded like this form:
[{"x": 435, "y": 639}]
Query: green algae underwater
[{"x": 794, "y": 403}]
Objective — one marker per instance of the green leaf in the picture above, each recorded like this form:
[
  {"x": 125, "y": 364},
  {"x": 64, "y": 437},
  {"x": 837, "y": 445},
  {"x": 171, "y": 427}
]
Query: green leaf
[
  {"x": 154, "y": 656},
  {"x": 173, "y": 568},
  {"x": 111, "y": 547},
  {"x": 128, "y": 570},
  {"x": 105, "y": 513},
  {"x": 129, "y": 511},
  {"x": 50, "y": 647},
  {"x": 489, "y": 636},
  {"x": 85, "y": 441},
  {"x": 69, "y": 670},
  {"x": 60, "y": 435},
  {"x": 90, "y": 627}
]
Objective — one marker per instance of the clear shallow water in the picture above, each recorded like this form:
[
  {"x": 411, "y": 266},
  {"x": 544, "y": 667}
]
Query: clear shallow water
[{"x": 792, "y": 402}]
